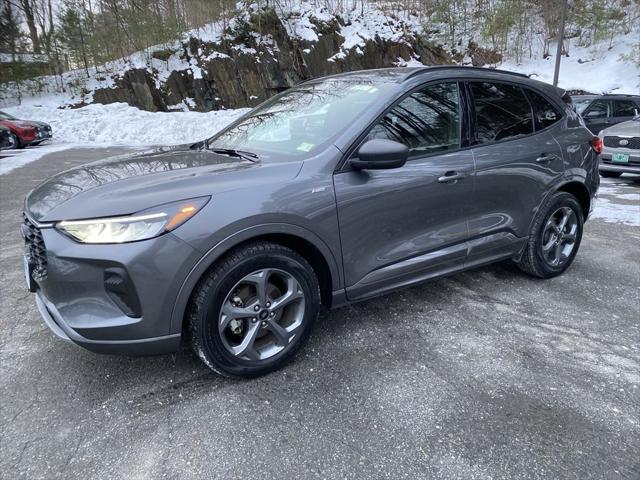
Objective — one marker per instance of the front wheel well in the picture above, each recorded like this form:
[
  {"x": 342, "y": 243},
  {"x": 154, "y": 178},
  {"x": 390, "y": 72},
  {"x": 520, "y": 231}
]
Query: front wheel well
[
  {"x": 311, "y": 254},
  {"x": 305, "y": 249},
  {"x": 580, "y": 191}
]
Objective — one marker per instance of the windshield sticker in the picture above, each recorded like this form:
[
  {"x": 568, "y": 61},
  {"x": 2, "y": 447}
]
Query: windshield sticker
[{"x": 305, "y": 147}]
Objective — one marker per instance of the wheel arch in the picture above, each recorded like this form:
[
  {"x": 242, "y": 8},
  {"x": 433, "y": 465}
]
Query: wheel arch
[
  {"x": 299, "y": 239},
  {"x": 581, "y": 192}
]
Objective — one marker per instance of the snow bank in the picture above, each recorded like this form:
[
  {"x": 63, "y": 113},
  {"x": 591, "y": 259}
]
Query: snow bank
[
  {"x": 120, "y": 124},
  {"x": 114, "y": 124}
]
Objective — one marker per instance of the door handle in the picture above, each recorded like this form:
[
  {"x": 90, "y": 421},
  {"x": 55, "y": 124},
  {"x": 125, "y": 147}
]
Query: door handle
[
  {"x": 545, "y": 159},
  {"x": 451, "y": 177}
]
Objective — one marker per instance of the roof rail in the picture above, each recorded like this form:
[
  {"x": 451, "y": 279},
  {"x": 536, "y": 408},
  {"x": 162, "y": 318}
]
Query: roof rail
[{"x": 455, "y": 67}]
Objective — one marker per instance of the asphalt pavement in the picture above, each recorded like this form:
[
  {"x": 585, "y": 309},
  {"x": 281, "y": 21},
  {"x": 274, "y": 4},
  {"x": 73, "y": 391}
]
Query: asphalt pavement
[{"x": 485, "y": 374}]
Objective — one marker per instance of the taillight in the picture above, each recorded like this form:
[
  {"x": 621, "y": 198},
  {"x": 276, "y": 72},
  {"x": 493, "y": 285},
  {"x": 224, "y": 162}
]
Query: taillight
[{"x": 597, "y": 144}]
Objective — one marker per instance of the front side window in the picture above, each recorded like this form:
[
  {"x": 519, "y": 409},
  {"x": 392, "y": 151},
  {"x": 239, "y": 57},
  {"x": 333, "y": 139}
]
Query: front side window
[
  {"x": 502, "y": 112},
  {"x": 624, "y": 108},
  {"x": 302, "y": 121},
  {"x": 598, "y": 109},
  {"x": 427, "y": 121},
  {"x": 545, "y": 113},
  {"x": 581, "y": 104}
]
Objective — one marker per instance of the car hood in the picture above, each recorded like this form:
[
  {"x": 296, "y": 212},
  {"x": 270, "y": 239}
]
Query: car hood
[
  {"x": 630, "y": 128},
  {"x": 130, "y": 183},
  {"x": 36, "y": 123},
  {"x": 24, "y": 123}
]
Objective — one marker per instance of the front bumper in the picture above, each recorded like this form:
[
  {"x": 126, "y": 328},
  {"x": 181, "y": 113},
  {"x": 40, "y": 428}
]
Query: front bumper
[
  {"x": 76, "y": 303},
  {"x": 143, "y": 346},
  {"x": 42, "y": 134},
  {"x": 606, "y": 165}
]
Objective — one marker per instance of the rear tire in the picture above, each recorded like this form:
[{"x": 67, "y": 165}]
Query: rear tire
[
  {"x": 253, "y": 310},
  {"x": 606, "y": 174},
  {"x": 555, "y": 237}
]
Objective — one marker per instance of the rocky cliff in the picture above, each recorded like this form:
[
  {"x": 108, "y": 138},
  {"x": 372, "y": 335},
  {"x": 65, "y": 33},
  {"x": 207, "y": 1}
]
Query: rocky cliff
[{"x": 258, "y": 55}]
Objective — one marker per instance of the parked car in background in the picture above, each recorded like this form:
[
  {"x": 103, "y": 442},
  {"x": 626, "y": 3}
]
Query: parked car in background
[
  {"x": 604, "y": 111},
  {"x": 337, "y": 190},
  {"x": 26, "y": 132},
  {"x": 6, "y": 138},
  {"x": 621, "y": 152}
]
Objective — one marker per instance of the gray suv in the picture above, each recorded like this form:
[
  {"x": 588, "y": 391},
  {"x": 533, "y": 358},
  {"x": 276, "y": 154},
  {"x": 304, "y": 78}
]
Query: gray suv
[{"x": 335, "y": 191}]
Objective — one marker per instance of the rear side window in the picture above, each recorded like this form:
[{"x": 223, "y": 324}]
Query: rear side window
[
  {"x": 598, "y": 109},
  {"x": 544, "y": 112},
  {"x": 502, "y": 112},
  {"x": 427, "y": 121},
  {"x": 624, "y": 108}
]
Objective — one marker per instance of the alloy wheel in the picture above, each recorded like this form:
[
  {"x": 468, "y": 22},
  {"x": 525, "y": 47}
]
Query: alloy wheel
[
  {"x": 559, "y": 236},
  {"x": 261, "y": 314}
]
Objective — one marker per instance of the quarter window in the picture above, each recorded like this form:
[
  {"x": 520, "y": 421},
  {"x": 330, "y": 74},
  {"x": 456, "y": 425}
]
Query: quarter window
[
  {"x": 427, "y": 121},
  {"x": 624, "y": 108},
  {"x": 545, "y": 113},
  {"x": 502, "y": 112}
]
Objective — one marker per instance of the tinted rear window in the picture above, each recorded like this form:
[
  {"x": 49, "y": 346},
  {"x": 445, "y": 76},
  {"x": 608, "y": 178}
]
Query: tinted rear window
[
  {"x": 545, "y": 113},
  {"x": 502, "y": 112},
  {"x": 624, "y": 108}
]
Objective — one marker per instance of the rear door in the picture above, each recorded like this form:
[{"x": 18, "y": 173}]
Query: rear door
[
  {"x": 407, "y": 224},
  {"x": 598, "y": 115},
  {"x": 514, "y": 167},
  {"x": 623, "y": 110}
]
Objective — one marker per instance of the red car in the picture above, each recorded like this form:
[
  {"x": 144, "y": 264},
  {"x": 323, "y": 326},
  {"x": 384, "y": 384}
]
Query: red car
[{"x": 26, "y": 132}]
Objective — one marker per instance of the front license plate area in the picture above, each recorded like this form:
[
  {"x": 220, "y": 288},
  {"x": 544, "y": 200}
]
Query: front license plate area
[{"x": 620, "y": 158}]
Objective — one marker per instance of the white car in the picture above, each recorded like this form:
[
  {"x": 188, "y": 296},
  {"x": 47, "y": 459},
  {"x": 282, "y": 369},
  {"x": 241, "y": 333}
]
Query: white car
[{"x": 621, "y": 152}]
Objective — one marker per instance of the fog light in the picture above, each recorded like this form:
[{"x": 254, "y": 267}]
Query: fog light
[{"x": 122, "y": 292}]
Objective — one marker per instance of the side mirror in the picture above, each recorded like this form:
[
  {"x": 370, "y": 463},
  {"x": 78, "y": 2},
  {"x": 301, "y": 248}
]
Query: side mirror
[{"x": 380, "y": 154}]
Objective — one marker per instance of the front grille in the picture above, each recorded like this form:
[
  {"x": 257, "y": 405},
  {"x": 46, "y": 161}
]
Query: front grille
[
  {"x": 43, "y": 132},
  {"x": 614, "y": 142},
  {"x": 35, "y": 248}
]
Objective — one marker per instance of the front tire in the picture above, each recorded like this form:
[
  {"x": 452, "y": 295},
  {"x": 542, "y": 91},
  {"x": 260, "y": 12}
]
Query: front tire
[
  {"x": 554, "y": 238},
  {"x": 607, "y": 174},
  {"x": 253, "y": 310},
  {"x": 16, "y": 142}
]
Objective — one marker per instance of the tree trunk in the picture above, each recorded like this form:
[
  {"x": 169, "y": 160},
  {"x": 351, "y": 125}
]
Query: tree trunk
[{"x": 27, "y": 8}]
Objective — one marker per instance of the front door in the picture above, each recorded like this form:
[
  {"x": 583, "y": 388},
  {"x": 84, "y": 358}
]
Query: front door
[
  {"x": 597, "y": 116},
  {"x": 407, "y": 224}
]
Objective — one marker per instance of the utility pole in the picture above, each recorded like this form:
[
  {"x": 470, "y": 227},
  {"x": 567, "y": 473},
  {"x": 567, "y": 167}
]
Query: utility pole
[{"x": 563, "y": 17}]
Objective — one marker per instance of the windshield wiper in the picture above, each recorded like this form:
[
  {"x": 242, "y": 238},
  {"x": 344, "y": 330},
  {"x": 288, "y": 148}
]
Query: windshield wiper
[{"x": 252, "y": 157}]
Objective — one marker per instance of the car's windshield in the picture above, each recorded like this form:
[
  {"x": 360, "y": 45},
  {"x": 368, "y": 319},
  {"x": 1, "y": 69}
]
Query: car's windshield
[
  {"x": 581, "y": 104},
  {"x": 6, "y": 116},
  {"x": 301, "y": 121}
]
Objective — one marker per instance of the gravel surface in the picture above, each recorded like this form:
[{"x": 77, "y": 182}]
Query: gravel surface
[{"x": 485, "y": 374}]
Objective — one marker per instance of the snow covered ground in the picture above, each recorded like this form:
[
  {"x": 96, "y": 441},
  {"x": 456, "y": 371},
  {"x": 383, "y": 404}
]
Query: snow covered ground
[{"x": 615, "y": 205}]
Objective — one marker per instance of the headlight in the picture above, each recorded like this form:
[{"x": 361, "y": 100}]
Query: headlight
[{"x": 139, "y": 226}]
